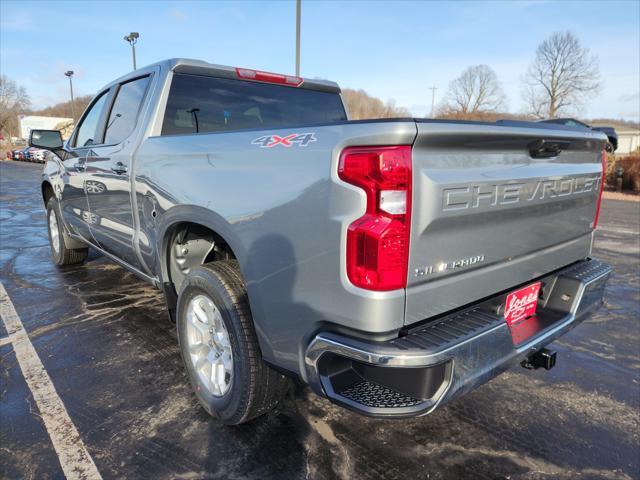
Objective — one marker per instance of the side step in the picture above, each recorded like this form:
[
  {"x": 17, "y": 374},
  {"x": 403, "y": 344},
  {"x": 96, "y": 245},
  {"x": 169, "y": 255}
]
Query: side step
[
  {"x": 374, "y": 395},
  {"x": 378, "y": 390}
]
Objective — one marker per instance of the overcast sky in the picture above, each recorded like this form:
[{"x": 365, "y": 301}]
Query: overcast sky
[{"x": 393, "y": 50}]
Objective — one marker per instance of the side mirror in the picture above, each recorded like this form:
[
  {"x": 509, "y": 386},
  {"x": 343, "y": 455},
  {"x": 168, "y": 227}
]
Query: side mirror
[{"x": 47, "y": 139}]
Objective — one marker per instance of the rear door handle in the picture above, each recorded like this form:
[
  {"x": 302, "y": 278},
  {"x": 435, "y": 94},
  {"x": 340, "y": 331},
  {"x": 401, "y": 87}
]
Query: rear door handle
[{"x": 119, "y": 168}]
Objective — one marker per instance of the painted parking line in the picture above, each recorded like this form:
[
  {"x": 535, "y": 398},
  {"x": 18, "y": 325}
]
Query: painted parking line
[
  {"x": 618, "y": 230},
  {"x": 74, "y": 458}
]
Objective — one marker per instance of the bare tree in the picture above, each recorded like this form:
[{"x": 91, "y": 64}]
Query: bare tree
[
  {"x": 362, "y": 105},
  {"x": 474, "y": 92},
  {"x": 13, "y": 101},
  {"x": 562, "y": 75}
]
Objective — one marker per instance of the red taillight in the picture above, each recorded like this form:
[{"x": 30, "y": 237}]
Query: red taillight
[
  {"x": 604, "y": 173},
  {"x": 268, "y": 77},
  {"x": 378, "y": 242}
]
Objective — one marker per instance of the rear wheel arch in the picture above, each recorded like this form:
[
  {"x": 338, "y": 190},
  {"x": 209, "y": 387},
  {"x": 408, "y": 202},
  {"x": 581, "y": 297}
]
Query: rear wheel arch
[
  {"x": 201, "y": 223},
  {"x": 179, "y": 217},
  {"x": 189, "y": 244}
]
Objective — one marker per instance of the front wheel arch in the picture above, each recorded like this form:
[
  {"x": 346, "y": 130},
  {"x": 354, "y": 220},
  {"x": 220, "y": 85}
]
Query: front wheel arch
[{"x": 47, "y": 192}]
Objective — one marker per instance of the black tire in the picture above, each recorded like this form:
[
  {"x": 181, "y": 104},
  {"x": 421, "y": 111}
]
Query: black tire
[
  {"x": 255, "y": 388},
  {"x": 62, "y": 256}
]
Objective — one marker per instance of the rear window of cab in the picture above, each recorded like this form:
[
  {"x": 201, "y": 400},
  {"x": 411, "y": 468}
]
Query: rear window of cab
[{"x": 202, "y": 104}]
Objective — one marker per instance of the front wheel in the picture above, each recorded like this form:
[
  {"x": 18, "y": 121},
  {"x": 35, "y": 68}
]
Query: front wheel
[
  {"x": 61, "y": 254},
  {"x": 219, "y": 346}
]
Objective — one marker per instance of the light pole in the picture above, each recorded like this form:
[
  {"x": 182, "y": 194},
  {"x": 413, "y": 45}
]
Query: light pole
[
  {"x": 298, "y": 9},
  {"x": 132, "y": 38},
  {"x": 433, "y": 99},
  {"x": 69, "y": 73}
]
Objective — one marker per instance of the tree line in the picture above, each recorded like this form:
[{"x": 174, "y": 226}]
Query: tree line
[{"x": 559, "y": 80}]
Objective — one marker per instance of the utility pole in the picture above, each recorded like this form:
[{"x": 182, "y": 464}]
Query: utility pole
[
  {"x": 433, "y": 99},
  {"x": 298, "y": 12},
  {"x": 132, "y": 38},
  {"x": 69, "y": 73}
]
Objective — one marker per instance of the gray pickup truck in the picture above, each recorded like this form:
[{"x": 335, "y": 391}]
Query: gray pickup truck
[{"x": 391, "y": 265}]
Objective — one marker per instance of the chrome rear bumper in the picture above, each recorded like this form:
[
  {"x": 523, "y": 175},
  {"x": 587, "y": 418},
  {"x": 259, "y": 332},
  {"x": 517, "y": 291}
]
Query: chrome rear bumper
[{"x": 440, "y": 360}]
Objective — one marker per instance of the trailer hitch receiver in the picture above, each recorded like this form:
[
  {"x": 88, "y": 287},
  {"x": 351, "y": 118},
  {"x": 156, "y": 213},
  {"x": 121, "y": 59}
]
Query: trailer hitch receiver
[{"x": 541, "y": 359}]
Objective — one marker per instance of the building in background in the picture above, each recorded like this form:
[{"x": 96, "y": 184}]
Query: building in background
[
  {"x": 628, "y": 140},
  {"x": 31, "y": 122}
]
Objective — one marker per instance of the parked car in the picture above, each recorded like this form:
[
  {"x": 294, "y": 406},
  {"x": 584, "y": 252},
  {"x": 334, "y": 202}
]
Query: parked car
[
  {"x": 14, "y": 153},
  {"x": 37, "y": 155},
  {"x": 22, "y": 154},
  {"x": 392, "y": 265},
  {"x": 610, "y": 132},
  {"x": 612, "y": 136},
  {"x": 29, "y": 154}
]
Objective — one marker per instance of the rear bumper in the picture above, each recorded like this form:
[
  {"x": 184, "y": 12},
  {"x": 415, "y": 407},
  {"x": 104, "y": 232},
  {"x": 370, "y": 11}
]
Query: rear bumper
[{"x": 431, "y": 364}]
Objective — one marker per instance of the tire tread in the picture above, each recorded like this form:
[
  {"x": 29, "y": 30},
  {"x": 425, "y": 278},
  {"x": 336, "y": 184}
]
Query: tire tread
[
  {"x": 266, "y": 385},
  {"x": 68, "y": 256}
]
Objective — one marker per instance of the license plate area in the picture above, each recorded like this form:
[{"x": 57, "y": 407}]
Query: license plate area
[{"x": 520, "y": 308}]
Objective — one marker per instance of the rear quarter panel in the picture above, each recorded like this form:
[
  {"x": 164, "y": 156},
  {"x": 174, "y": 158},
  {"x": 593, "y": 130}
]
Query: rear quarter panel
[{"x": 284, "y": 212}]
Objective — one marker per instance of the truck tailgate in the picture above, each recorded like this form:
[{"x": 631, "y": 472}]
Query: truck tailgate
[{"x": 491, "y": 210}]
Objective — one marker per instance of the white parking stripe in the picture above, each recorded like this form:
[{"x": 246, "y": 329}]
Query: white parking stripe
[
  {"x": 74, "y": 458},
  {"x": 618, "y": 230}
]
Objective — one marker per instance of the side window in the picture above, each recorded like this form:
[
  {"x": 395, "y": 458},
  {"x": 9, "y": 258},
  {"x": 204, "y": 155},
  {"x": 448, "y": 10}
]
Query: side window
[
  {"x": 124, "y": 113},
  {"x": 87, "y": 132}
]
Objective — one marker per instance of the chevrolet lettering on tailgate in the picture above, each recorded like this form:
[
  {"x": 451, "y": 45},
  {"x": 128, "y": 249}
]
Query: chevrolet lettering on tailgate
[{"x": 498, "y": 194}]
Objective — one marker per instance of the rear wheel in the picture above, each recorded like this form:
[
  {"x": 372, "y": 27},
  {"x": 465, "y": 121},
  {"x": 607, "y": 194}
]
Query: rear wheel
[
  {"x": 219, "y": 346},
  {"x": 61, "y": 254}
]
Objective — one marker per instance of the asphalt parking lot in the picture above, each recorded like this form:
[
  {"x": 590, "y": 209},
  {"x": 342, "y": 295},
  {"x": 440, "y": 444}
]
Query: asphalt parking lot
[{"x": 103, "y": 338}]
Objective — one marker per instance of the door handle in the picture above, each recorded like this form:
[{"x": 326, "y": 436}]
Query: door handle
[{"x": 119, "y": 168}]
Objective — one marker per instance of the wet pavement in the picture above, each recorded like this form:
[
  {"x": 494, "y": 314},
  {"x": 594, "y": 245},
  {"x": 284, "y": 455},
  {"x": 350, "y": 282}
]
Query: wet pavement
[{"x": 105, "y": 341}]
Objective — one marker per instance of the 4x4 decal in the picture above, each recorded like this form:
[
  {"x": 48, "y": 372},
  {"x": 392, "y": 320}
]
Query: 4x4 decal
[{"x": 294, "y": 139}]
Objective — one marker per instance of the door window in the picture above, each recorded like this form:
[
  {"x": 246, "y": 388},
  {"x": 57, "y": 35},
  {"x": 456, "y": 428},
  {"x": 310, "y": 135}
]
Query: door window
[
  {"x": 122, "y": 120},
  {"x": 88, "y": 132}
]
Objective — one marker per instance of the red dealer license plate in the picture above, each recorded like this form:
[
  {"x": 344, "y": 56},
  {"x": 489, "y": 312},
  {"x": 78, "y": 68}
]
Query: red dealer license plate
[{"x": 521, "y": 304}]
